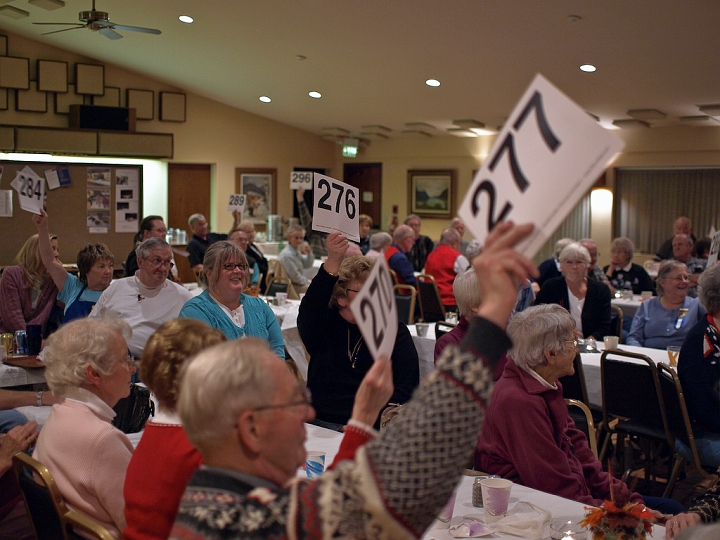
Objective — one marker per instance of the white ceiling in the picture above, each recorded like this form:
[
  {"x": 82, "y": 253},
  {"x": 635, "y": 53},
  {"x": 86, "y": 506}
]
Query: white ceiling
[{"x": 370, "y": 58}]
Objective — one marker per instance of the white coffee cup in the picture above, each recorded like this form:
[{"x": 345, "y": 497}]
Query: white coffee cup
[
  {"x": 280, "y": 298},
  {"x": 422, "y": 328},
  {"x": 496, "y": 496},
  {"x": 611, "y": 343}
]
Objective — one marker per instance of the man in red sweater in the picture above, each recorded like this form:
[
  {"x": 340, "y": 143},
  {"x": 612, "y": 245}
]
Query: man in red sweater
[{"x": 444, "y": 263}]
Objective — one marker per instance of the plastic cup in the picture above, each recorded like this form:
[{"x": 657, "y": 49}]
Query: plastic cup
[
  {"x": 280, "y": 298},
  {"x": 314, "y": 464},
  {"x": 422, "y": 329},
  {"x": 673, "y": 352},
  {"x": 611, "y": 342},
  {"x": 496, "y": 496},
  {"x": 446, "y": 513},
  {"x": 646, "y": 295}
]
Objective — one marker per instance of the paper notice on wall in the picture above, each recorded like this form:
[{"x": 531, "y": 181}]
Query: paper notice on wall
[
  {"x": 6, "y": 209},
  {"x": 126, "y": 216},
  {"x": 127, "y": 199},
  {"x": 51, "y": 176}
]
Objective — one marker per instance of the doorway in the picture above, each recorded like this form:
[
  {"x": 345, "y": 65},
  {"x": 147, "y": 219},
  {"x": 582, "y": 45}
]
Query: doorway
[{"x": 367, "y": 177}]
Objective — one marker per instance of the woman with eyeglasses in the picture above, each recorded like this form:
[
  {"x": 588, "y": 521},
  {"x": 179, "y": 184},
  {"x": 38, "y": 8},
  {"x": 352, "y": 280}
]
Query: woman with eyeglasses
[
  {"x": 89, "y": 368},
  {"x": 667, "y": 318},
  {"x": 224, "y": 306},
  {"x": 587, "y": 300}
]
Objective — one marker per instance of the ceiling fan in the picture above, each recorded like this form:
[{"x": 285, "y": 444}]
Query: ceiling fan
[{"x": 99, "y": 21}]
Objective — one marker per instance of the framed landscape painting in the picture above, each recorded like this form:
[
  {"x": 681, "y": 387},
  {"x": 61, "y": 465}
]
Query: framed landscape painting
[{"x": 432, "y": 193}]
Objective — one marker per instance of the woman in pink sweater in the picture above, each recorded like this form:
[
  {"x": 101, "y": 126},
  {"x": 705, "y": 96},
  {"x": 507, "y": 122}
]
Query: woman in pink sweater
[{"x": 88, "y": 365}]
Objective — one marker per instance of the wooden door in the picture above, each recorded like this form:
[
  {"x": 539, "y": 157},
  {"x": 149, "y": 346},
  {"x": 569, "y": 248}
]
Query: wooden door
[
  {"x": 188, "y": 193},
  {"x": 367, "y": 177}
]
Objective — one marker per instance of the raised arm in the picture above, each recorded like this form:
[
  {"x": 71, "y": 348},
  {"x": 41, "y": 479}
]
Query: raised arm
[{"x": 52, "y": 265}]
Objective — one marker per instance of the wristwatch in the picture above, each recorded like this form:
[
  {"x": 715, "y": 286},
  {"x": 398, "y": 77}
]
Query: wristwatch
[{"x": 39, "y": 398}]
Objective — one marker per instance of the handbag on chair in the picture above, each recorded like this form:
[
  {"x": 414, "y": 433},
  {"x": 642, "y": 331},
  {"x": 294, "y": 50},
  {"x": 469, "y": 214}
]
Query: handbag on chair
[{"x": 133, "y": 411}]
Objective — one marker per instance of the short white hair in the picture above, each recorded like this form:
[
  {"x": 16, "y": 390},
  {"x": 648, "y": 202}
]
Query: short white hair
[
  {"x": 380, "y": 240},
  {"x": 218, "y": 384},
  {"x": 575, "y": 251},
  {"x": 467, "y": 292},
  {"x": 537, "y": 329},
  {"x": 76, "y": 345}
]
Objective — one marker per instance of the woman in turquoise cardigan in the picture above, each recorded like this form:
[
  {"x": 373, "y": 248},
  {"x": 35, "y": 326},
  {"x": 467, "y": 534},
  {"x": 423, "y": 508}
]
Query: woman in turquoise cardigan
[{"x": 223, "y": 305}]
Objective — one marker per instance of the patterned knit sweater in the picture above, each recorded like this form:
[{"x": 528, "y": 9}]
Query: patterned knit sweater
[{"x": 393, "y": 488}]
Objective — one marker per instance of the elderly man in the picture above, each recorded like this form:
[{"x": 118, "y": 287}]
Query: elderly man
[
  {"x": 150, "y": 227},
  {"x": 396, "y": 254},
  {"x": 147, "y": 299},
  {"x": 379, "y": 242},
  {"x": 245, "y": 413},
  {"x": 296, "y": 257},
  {"x": 422, "y": 245},
  {"x": 682, "y": 247},
  {"x": 459, "y": 226},
  {"x": 253, "y": 251},
  {"x": 240, "y": 239},
  {"x": 203, "y": 239},
  {"x": 444, "y": 263},
  {"x": 682, "y": 225},
  {"x": 593, "y": 270}
]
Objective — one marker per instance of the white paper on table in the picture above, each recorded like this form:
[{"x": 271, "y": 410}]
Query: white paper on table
[
  {"x": 6, "y": 207},
  {"x": 237, "y": 202},
  {"x": 375, "y": 310},
  {"x": 30, "y": 189},
  {"x": 301, "y": 179},
  {"x": 336, "y": 207},
  {"x": 714, "y": 248},
  {"x": 548, "y": 155},
  {"x": 53, "y": 180}
]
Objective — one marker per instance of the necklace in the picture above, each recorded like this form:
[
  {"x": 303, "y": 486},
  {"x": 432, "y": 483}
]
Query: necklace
[{"x": 353, "y": 357}]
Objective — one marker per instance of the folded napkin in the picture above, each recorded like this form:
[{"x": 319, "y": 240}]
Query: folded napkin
[
  {"x": 525, "y": 520},
  {"x": 471, "y": 529}
]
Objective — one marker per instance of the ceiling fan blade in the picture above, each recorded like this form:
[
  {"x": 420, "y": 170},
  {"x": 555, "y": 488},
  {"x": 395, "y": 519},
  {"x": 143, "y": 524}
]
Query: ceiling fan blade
[
  {"x": 61, "y": 23},
  {"x": 110, "y": 33},
  {"x": 154, "y": 31},
  {"x": 63, "y": 30}
]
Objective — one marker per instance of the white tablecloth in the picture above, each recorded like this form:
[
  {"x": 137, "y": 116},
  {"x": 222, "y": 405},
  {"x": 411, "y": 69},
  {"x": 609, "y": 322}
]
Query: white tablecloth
[
  {"x": 17, "y": 376},
  {"x": 629, "y": 307},
  {"x": 425, "y": 347}
]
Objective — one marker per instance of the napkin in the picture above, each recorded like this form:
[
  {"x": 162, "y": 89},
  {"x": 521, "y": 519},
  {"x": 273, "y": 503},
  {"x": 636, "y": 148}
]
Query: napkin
[
  {"x": 525, "y": 520},
  {"x": 472, "y": 529}
]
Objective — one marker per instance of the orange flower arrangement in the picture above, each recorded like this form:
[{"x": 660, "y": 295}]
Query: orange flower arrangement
[{"x": 610, "y": 522}]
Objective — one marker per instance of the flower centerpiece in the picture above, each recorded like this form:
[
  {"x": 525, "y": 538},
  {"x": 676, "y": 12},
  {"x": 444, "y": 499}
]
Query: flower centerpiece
[{"x": 611, "y": 522}]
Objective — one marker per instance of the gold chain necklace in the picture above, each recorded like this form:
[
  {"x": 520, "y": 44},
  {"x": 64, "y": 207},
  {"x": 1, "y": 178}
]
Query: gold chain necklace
[{"x": 353, "y": 357}]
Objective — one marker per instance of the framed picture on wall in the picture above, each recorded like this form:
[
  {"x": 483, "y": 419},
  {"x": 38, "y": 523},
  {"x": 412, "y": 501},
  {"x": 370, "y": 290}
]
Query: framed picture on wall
[
  {"x": 431, "y": 193},
  {"x": 259, "y": 186}
]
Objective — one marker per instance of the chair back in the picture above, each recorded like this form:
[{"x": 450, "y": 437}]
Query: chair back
[
  {"x": 393, "y": 273},
  {"x": 431, "y": 306},
  {"x": 277, "y": 285},
  {"x": 574, "y": 385},
  {"x": 405, "y": 300},
  {"x": 442, "y": 328},
  {"x": 616, "y": 321},
  {"x": 582, "y": 416},
  {"x": 277, "y": 272},
  {"x": 50, "y": 516}
]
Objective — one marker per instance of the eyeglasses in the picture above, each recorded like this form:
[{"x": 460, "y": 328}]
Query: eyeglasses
[
  {"x": 574, "y": 342},
  {"x": 128, "y": 362},
  {"x": 157, "y": 263},
  {"x": 575, "y": 263},
  {"x": 230, "y": 267},
  {"x": 305, "y": 400},
  {"x": 679, "y": 279}
]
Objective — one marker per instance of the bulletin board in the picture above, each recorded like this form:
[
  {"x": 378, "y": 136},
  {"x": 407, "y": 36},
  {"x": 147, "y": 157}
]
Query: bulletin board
[{"x": 101, "y": 203}]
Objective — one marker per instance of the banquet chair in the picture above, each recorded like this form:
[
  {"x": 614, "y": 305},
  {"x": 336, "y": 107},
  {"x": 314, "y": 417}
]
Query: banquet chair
[
  {"x": 277, "y": 285},
  {"x": 431, "y": 306},
  {"x": 277, "y": 272},
  {"x": 630, "y": 395},
  {"x": 50, "y": 516},
  {"x": 405, "y": 300},
  {"x": 442, "y": 328},
  {"x": 574, "y": 388},
  {"x": 616, "y": 321},
  {"x": 393, "y": 273},
  {"x": 679, "y": 427},
  {"x": 582, "y": 416}
]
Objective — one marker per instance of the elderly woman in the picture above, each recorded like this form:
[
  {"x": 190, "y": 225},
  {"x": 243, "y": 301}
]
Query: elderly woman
[
  {"x": 587, "y": 300},
  {"x": 667, "y": 318},
  {"x": 365, "y": 223},
  {"x": 340, "y": 357},
  {"x": 624, "y": 274},
  {"x": 95, "y": 268},
  {"x": 164, "y": 460},
  {"x": 528, "y": 436},
  {"x": 88, "y": 365},
  {"x": 379, "y": 242},
  {"x": 224, "y": 306},
  {"x": 296, "y": 257},
  {"x": 27, "y": 294}
]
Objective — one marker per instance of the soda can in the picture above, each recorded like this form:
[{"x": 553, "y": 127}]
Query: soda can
[
  {"x": 21, "y": 348},
  {"x": 7, "y": 345}
]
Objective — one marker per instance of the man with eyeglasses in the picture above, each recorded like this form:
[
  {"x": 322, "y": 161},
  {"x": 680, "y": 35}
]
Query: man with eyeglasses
[{"x": 147, "y": 299}]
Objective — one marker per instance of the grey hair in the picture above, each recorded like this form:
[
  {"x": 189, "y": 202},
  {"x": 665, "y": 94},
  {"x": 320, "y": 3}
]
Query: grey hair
[
  {"x": 293, "y": 229},
  {"x": 402, "y": 232},
  {"x": 412, "y": 216},
  {"x": 709, "y": 289},
  {"x": 455, "y": 221},
  {"x": 625, "y": 244},
  {"x": 218, "y": 384},
  {"x": 560, "y": 245},
  {"x": 143, "y": 249},
  {"x": 195, "y": 217},
  {"x": 474, "y": 249},
  {"x": 536, "y": 330},
  {"x": 467, "y": 292},
  {"x": 665, "y": 268},
  {"x": 575, "y": 250},
  {"x": 449, "y": 236},
  {"x": 218, "y": 254},
  {"x": 76, "y": 345},
  {"x": 380, "y": 241}
]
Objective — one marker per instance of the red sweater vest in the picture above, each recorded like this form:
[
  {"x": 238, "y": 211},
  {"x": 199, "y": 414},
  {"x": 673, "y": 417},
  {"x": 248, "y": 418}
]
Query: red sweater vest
[{"x": 440, "y": 265}]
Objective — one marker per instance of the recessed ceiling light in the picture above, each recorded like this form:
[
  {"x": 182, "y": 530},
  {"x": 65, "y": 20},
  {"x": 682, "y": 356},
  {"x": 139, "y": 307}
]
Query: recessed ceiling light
[
  {"x": 587, "y": 68},
  {"x": 185, "y": 19},
  {"x": 432, "y": 82},
  {"x": 316, "y": 95},
  {"x": 265, "y": 99}
]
